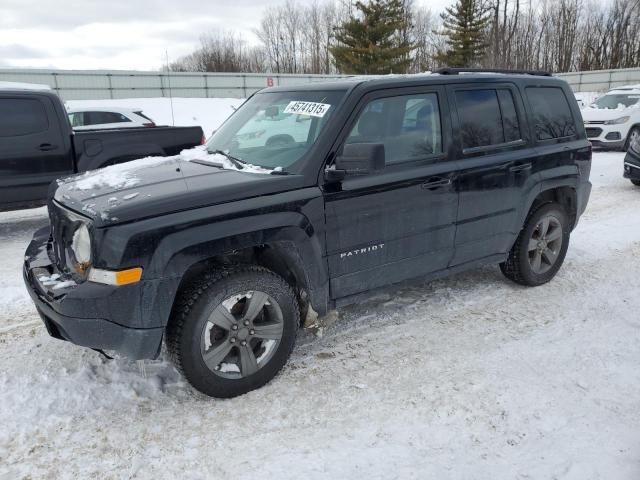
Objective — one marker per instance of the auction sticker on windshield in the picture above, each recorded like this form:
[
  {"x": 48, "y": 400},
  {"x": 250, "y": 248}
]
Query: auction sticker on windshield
[{"x": 308, "y": 108}]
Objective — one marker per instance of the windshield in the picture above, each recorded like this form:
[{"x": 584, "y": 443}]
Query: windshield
[
  {"x": 275, "y": 129},
  {"x": 614, "y": 100}
]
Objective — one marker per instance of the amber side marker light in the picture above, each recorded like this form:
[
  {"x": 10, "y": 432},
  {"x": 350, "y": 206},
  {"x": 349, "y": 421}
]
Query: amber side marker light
[{"x": 117, "y": 278}]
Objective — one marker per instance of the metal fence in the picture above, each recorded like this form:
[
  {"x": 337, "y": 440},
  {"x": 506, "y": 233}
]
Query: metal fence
[
  {"x": 601, "y": 80},
  {"x": 103, "y": 84}
]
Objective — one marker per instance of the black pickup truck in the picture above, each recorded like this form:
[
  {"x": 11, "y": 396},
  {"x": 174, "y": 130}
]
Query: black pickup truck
[
  {"x": 307, "y": 199},
  {"x": 37, "y": 146}
]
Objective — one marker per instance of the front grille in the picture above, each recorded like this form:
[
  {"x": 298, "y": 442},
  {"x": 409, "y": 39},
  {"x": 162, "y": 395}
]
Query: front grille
[
  {"x": 594, "y": 132},
  {"x": 58, "y": 221},
  {"x": 594, "y": 122}
]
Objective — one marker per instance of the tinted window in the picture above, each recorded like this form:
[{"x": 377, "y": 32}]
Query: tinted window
[
  {"x": 408, "y": 126},
  {"x": 480, "y": 119},
  {"x": 551, "y": 113},
  {"x": 22, "y": 116},
  {"x": 97, "y": 118},
  {"x": 510, "y": 122}
]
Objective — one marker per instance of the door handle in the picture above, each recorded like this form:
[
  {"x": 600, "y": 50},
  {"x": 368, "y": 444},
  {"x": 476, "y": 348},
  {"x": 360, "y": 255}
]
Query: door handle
[
  {"x": 47, "y": 147},
  {"x": 435, "y": 183},
  {"x": 520, "y": 168}
]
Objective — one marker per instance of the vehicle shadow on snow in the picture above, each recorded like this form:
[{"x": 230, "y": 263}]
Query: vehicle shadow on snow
[{"x": 394, "y": 304}]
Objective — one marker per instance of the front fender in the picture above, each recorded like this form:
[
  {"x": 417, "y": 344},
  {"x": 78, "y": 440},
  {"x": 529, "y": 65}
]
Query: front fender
[{"x": 167, "y": 247}]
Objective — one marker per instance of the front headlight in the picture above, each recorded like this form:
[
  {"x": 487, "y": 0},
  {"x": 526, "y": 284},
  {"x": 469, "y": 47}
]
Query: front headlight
[
  {"x": 617, "y": 121},
  {"x": 81, "y": 246}
]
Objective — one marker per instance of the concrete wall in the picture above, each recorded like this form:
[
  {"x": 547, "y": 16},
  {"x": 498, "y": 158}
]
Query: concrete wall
[{"x": 103, "y": 84}]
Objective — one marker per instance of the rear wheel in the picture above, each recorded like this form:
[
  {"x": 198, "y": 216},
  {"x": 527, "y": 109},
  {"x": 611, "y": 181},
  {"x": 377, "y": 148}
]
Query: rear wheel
[
  {"x": 540, "y": 248},
  {"x": 636, "y": 182},
  {"x": 233, "y": 330}
]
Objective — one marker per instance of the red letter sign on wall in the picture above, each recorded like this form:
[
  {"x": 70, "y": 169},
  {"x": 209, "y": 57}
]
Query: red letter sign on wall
[{"x": 269, "y": 81}]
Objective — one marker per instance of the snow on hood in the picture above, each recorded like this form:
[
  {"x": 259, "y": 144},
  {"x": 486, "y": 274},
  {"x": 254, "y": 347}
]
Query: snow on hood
[
  {"x": 604, "y": 114},
  {"x": 125, "y": 175},
  {"x": 100, "y": 193}
]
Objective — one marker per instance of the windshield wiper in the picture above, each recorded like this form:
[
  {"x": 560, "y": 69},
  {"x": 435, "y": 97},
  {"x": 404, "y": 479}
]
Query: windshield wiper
[{"x": 236, "y": 161}]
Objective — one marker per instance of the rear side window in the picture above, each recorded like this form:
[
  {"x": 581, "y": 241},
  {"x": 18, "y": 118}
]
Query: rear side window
[
  {"x": 551, "y": 113},
  {"x": 22, "y": 116},
  {"x": 98, "y": 118},
  {"x": 408, "y": 126},
  {"x": 143, "y": 116},
  {"x": 510, "y": 121},
  {"x": 487, "y": 117},
  {"x": 76, "y": 119}
]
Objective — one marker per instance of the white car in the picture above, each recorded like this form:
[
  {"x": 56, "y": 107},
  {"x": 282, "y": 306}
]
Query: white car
[
  {"x": 613, "y": 120},
  {"x": 91, "y": 118}
]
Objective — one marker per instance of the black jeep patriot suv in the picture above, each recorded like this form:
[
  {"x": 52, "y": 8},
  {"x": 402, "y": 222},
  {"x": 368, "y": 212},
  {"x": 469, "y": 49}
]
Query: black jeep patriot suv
[{"x": 310, "y": 198}]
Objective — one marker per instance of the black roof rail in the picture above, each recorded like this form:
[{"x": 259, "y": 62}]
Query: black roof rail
[{"x": 456, "y": 71}]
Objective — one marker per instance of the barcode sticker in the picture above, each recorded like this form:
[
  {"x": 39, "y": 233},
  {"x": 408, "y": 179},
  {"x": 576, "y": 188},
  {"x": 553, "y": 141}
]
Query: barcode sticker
[{"x": 308, "y": 108}]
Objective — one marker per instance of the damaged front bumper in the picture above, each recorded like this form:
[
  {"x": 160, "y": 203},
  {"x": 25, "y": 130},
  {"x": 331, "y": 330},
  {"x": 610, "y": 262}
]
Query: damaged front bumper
[{"x": 76, "y": 313}]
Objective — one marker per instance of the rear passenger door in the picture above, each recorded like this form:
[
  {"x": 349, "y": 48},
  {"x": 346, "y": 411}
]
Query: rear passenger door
[
  {"x": 398, "y": 223},
  {"x": 33, "y": 149},
  {"x": 494, "y": 153}
]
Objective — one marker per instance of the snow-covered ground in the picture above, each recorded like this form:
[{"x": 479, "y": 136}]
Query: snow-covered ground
[
  {"x": 207, "y": 113},
  {"x": 470, "y": 377}
]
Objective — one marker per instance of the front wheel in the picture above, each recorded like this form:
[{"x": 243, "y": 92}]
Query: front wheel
[
  {"x": 636, "y": 182},
  {"x": 233, "y": 330},
  {"x": 540, "y": 248}
]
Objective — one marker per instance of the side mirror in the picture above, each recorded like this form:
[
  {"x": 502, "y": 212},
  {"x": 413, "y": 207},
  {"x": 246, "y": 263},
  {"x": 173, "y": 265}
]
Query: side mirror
[{"x": 358, "y": 159}]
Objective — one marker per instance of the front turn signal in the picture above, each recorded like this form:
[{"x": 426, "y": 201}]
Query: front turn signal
[{"x": 117, "y": 278}]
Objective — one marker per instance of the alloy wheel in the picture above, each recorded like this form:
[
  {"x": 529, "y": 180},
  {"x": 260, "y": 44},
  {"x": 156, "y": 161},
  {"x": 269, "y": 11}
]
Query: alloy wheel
[
  {"x": 242, "y": 334},
  {"x": 545, "y": 244}
]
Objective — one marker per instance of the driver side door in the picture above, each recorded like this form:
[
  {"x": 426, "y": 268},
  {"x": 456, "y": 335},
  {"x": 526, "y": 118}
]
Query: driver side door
[{"x": 398, "y": 223}]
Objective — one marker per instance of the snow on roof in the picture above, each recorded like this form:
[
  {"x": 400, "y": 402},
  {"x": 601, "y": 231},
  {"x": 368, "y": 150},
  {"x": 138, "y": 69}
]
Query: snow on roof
[
  {"x": 23, "y": 86},
  {"x": 89, "y": 108}
]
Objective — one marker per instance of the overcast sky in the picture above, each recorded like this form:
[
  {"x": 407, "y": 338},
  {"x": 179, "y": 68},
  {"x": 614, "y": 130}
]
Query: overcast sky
[{"x": 120, "y": 34}]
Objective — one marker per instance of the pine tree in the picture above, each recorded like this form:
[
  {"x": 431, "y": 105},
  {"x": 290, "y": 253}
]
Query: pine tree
[
  {"x": 369, "y": 43},
  {"x": 465, "y": 25}
]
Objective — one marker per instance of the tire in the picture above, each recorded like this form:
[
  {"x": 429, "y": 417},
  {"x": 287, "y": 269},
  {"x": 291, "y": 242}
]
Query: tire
[
  {"x": 521, "y": 266},
  {"x": 636, "y": 182},
  {"x": 634, "y": 133},
  {"x": 215, "y": 334}
]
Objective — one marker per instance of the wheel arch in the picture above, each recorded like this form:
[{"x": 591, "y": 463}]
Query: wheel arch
[
  {"x": 293, "y": 252},
  {"x": 559, "y": 192}
]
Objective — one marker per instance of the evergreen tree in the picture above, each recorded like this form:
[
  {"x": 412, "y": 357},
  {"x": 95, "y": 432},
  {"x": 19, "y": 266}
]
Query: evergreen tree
[
  {"x": 369, "y": 43},
  {"x": 465, "y": 26}
]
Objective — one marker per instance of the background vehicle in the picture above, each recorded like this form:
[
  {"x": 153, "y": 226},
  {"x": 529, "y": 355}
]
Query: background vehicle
[
  {"x": 37, "y": 145},
  {"x": 613, "y": 120},
  {"x": 222, "y": 251},
  {"x": 108, "y": 117}
]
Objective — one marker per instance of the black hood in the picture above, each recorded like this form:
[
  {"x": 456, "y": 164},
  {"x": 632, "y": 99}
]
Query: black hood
[{"x": 161, "y": 185}]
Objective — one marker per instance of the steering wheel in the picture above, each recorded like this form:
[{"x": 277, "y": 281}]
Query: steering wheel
[{"x": 280, "y": 141}]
